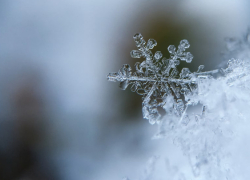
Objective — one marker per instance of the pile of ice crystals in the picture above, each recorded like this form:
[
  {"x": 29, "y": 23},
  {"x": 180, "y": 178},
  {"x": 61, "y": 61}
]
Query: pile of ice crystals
[{"x": 222, "y": 94}]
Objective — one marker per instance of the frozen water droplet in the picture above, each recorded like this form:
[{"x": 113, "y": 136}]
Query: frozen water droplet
[
  {"x": 189, "y": 57},
  {"x": 136, "y": 54},
  {"x": 158, "y": 55},
  {"x": 151, "y": 43},
  {"x": 184, "y": 43},
  {"x": 171, "y": 49}
]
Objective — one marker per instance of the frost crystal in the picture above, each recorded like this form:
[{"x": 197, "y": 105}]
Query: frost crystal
[
  {"x": 157, "y": 78},
  {"x": 223, "y": 95}
]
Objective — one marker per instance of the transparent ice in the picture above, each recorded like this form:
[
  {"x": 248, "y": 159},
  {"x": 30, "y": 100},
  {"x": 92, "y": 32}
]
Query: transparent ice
[{"x": 205, "y": 137}]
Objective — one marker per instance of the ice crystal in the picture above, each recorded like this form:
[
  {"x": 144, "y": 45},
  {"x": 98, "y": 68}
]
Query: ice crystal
[
  {"x": 223, "y": 95},
  {"x": 157, "y": 77}
]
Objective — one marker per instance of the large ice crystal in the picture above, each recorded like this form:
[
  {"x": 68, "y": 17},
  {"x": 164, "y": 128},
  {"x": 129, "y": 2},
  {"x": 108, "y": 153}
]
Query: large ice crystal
[{"x": 156, "y": 78}]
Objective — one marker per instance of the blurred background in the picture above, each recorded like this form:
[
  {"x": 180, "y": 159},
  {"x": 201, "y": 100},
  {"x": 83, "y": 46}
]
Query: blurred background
[{"x": 60, "y": 118}]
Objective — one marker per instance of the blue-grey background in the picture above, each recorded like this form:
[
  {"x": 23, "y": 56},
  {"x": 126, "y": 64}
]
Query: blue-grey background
[{"x": 59, "y": 116}]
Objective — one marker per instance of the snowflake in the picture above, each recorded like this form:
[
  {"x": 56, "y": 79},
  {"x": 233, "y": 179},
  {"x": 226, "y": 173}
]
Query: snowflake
[{"x": 157, "y": 78}]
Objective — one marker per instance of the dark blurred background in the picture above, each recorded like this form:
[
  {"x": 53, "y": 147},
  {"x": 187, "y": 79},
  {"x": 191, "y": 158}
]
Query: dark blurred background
[{"x": 60, "y": 119}]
